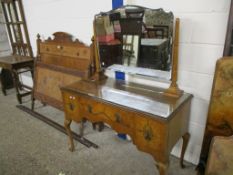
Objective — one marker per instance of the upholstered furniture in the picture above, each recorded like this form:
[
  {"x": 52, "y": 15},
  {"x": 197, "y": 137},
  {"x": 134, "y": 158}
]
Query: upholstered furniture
[
  {"x": 220, "y": 114},
  {"x": 220, "y": 159}
]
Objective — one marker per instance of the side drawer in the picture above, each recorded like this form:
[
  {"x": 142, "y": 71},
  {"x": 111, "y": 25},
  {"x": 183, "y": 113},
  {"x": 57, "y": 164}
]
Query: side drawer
[
  {"x": 150, "y": 133},
  {"x": 71, "y": 106}
]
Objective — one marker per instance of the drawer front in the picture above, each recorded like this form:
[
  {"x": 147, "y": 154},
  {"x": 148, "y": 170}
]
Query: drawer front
[
  {"x": 71, "y": 106},
  {"x": 110, "y": 114},
  {"x": 150, "y": 133}
]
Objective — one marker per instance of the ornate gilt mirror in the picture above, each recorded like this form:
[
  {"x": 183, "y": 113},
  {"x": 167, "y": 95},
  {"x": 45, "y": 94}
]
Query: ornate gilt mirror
[{"x": 138, "y": 40}]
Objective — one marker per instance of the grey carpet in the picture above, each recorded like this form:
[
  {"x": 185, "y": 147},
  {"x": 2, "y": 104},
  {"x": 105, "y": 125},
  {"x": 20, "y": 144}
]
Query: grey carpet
[{"x": 30, "y": 147}]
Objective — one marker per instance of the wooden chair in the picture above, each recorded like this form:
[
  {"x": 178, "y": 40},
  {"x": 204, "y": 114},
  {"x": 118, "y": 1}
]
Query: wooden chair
[{"x": 20, "y": 44}]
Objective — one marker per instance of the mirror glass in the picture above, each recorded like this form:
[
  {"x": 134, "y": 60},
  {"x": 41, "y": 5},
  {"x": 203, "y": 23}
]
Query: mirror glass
[
  {"x": 130, "y": 50},
  {"x": 135, "y": 37}
]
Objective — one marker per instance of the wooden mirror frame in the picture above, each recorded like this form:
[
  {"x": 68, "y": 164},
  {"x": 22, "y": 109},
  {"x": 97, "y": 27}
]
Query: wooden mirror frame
[{"x": 173, "y": 90}]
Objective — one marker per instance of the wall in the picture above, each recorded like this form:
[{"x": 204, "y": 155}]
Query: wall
[
  {"x": 75, "y": 17},
  {"x": 202, "y": 36}
]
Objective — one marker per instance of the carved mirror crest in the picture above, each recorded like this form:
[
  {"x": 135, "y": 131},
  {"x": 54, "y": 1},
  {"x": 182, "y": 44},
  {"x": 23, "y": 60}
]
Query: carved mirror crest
[{"x": 135, "y": 36}]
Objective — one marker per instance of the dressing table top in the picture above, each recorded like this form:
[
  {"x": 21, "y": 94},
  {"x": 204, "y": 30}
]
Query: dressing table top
[{"x": 140, "y": 98}]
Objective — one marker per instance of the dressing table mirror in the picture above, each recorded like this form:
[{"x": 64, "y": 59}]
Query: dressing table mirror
[
  {"x": 139, "y": 41},
  {"x": 154, "y": 118}
]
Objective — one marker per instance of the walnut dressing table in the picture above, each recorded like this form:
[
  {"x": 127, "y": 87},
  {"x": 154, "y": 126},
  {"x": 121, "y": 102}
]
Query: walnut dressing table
[{"x": 154, "y": 121}]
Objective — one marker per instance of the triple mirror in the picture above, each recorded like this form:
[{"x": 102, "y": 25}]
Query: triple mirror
[{"x": 135, "y": 37}]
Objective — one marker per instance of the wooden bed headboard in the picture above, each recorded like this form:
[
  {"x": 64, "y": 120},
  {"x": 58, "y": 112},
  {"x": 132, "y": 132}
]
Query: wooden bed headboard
[{"x": 60, "y": 61}]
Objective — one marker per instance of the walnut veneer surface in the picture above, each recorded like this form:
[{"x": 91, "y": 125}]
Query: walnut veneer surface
[
  {"x": 220, "y": 114},
  {"x": 60, "y": 61},
  {"x": 154, "y": 121}
]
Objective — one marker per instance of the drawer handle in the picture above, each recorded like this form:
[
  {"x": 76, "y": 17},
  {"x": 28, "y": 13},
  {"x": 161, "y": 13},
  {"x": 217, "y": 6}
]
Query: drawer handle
[
  {"x": 77, "y": 53},
  {"x": 59, "y": 47},
  {"x": 72, "y": 97},
  {"x": 47, "y": 49},
  {"x": 71, "y": 106},
  {"x": 118, "y": 118},
  {"x": 89, "y": 108},
  {"x": 147, "y": 133}
]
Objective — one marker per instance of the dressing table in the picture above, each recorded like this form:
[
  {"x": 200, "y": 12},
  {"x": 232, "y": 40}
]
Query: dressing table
[{"x": 153, "y": 117}]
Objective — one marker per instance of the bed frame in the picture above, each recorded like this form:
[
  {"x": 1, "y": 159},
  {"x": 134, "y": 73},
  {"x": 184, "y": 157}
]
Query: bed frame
[{"x": 60, "y": 61}]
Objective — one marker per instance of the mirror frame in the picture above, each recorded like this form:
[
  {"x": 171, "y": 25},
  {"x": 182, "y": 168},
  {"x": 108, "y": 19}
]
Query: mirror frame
[{"x": 173, "y": 90}]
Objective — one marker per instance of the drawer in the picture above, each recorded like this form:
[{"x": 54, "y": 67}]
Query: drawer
[
  {"x": 123, "y": 118},
  {"x": 71, "y": 106},
  {"x": 150, "y": 133},
  {"x": 107, "y": 113}
]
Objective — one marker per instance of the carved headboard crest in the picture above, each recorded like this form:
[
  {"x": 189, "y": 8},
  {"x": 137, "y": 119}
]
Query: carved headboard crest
[{"x": 63, "y": 37}]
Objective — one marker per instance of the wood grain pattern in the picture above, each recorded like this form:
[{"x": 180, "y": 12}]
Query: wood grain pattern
[
  {"x": 151, "y": 133},
  {"x": 220, "y": 114},
  {"x": 60, "y": 61},
  {"x": 220, "y": 161},
  {"x": 16, "y": 65}
]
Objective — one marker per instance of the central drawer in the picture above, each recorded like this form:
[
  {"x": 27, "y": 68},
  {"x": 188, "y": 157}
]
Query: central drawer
[{"x": 109, "y": 113}]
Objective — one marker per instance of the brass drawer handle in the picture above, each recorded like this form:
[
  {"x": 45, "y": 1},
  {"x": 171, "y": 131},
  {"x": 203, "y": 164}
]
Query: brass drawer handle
[
  {"x": 89, "y": 108},
  {"x": 118, "y": 118},
  {"x": 72, "y": 97},
  {"x": 147, "y": 133},
  {"x": 59, "y": 47},
  {"x": 71, "y": 106}
]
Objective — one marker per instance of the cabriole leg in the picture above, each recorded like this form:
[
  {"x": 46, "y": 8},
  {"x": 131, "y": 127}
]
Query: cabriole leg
[
  {"x": 185, "y": 137},
  {"x": 67, "y": 126},
  {"x": 163, "y": 168}
]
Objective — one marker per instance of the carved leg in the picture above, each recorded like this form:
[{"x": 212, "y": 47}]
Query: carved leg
[
  {"x": 67, "y": 126},
  {"x": 163, "y": 168},
  {"x": 101, "y": 126},
  {"x": 94, "y": 126},
  {"x": 185, "y": 137}
]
